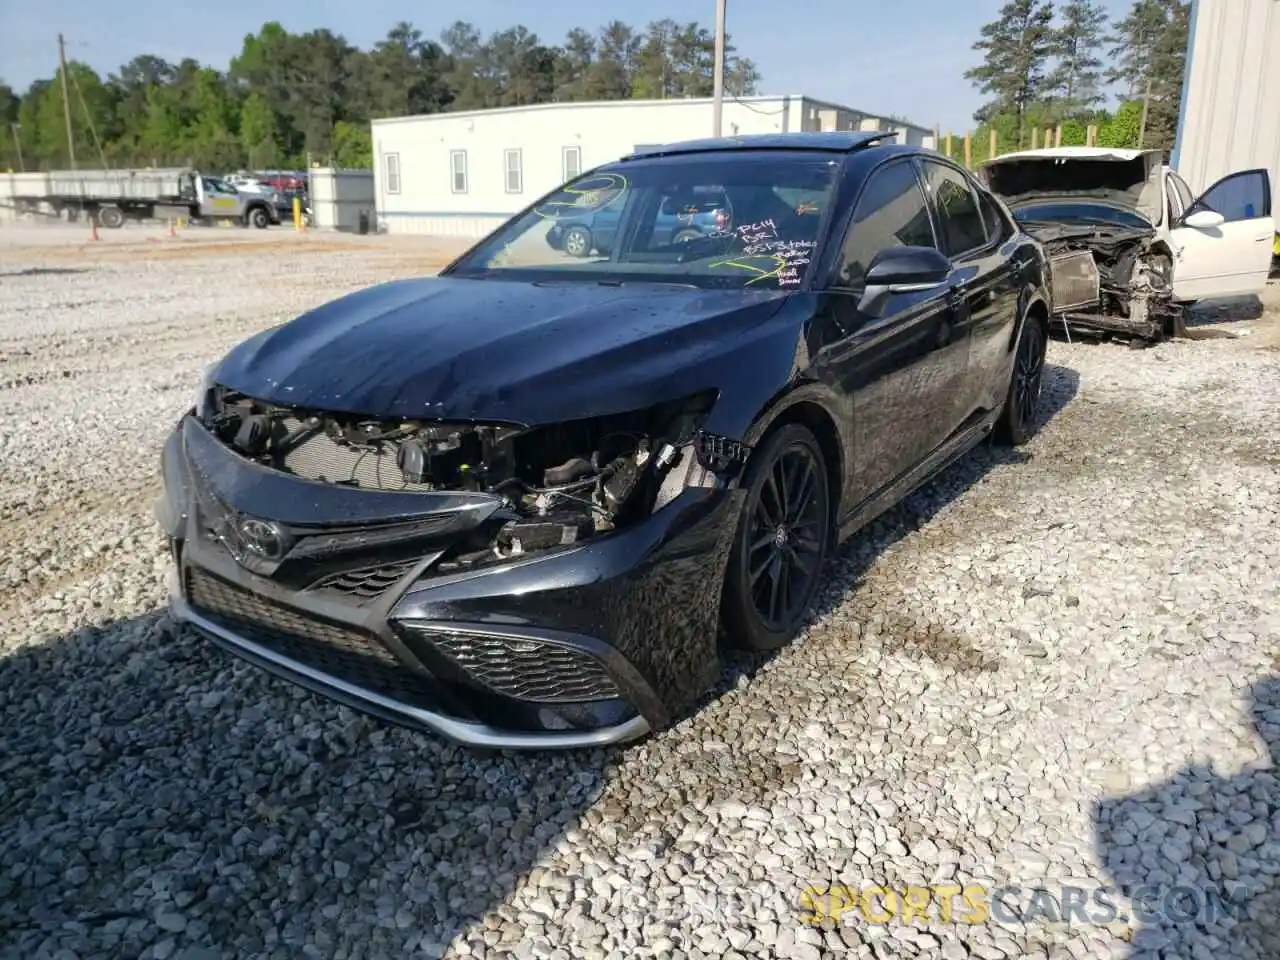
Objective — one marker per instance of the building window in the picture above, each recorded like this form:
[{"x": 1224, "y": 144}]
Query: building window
[
  {"x": 515, "y": 171},
  {"x": 570, "y": 162},
  {"x": 458, "y": 168},
  {"x": 392, "y": 161}
]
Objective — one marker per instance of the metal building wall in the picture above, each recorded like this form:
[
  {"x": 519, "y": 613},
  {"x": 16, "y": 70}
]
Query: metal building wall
[{"x": 1230, "y": 116}]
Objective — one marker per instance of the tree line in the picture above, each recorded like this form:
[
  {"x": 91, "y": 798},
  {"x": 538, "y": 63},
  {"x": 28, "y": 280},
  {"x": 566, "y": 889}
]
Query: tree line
[
  {"x": 286, "y": 97},
  {"x": 1046, "y": 65}
]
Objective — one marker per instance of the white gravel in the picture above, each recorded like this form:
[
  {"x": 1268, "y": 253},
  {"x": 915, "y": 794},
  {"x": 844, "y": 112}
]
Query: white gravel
[{"x": 1059, "y": 667}]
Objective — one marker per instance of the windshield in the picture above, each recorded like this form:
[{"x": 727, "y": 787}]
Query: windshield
[
  {"x": 715, "y": 222},
  {"x": 1075, "y": 211}
]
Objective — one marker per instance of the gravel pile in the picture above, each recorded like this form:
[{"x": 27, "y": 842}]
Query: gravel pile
[{"x": 1056, "y": 669}]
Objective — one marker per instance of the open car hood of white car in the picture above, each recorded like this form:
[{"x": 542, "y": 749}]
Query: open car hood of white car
[{"x": 1127, "y": 178}]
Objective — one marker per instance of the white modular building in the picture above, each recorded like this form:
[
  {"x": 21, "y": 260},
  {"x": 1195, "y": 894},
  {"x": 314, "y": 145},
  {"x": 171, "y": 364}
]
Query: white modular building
[{"x": 462, "y": 174}]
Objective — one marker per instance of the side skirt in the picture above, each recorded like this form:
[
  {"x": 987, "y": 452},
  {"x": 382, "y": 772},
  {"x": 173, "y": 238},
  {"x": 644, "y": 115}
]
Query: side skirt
[{"x": 898, "y": 490}]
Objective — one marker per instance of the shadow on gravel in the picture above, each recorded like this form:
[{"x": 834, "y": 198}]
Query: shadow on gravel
[
  {"x": 1199, "y": 856},
  {"x": 856, "y": 555},
  {"x": 42, "y": 271},
  {"x": 154, "y": 793},
  {"x": 1227, "y": 310}
]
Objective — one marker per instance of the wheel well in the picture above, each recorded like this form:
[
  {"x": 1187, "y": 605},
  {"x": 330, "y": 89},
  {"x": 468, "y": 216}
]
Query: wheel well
[
  {"x": 817, "y": 419},
  {"x": 1041, "y": 313}
]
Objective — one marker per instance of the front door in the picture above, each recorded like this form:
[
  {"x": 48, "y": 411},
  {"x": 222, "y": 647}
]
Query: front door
[
  {"x": 1232, "y": 258},
  {"x": 900, "y": 365}
]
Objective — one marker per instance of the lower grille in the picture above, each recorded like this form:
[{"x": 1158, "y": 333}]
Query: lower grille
[
  {"x": 339, "y": 651},
  {"x": 528, "y": 669},
  {"x": 367, "y": 583}
]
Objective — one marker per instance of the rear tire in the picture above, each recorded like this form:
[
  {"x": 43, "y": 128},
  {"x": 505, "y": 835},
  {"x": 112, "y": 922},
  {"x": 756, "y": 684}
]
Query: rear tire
[
  {"x": 784, "y": 531},
  {"x": 1017, "y": 423},
  {"x": 111, "y": 217},
  {"x": 258, "y": 218}
]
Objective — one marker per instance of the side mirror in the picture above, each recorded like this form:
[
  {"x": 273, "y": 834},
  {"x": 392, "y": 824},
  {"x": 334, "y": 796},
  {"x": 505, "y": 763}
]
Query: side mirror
[
  {"x": 1204, "y": 220},
  {"x": 902, "y": 269}
]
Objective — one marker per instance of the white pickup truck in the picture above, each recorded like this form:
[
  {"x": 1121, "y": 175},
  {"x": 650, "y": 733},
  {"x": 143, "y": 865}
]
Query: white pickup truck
[{"x": 1130, "y": 245}]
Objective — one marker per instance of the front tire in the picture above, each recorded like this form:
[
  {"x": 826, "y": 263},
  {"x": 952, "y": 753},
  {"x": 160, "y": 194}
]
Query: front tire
[
  {"x": 577, "y": 241},
  {"x": 783, "y": 535},
  {"x": 111, "y": 217},
  {"x": 1017, "y": 423}
]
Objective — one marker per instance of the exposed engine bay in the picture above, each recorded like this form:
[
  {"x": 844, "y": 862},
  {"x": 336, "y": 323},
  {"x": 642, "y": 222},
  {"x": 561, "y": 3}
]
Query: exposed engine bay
[
  {"x": 559, "y": 484},
  {"x": 1108, "y": 279}
]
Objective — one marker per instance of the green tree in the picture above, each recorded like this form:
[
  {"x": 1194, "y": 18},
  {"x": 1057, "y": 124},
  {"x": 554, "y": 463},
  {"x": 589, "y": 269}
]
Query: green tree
[
  {"x": 258, "y": 132},
  {"x": 352, "y": 145},
  {"x": 10, "y": 103},
  {"x": 1017, "y": 48},
  {"x": 573, "y": 65},
  {"x": 1121, "y": 129},
  {"x": 1168, "y": 66},
  {"x": 1076, "y": 82},
  {"x": 284, "y": 95}
]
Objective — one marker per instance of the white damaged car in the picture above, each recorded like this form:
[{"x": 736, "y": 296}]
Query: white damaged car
[{"x": 1130, "y": 245}]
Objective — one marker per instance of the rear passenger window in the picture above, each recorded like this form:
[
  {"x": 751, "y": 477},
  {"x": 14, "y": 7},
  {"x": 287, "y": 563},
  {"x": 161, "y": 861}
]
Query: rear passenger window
[
  {"x": 891, "y": 213},
  {"x": 960, "y": 220},
  {"x": 991, "y": 217}
]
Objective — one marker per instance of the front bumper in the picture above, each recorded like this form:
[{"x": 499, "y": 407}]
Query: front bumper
[{"x": 583, "y": 647}]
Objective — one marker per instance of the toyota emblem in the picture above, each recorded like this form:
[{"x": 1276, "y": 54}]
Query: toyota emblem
[{"x": 261, "y": 537}]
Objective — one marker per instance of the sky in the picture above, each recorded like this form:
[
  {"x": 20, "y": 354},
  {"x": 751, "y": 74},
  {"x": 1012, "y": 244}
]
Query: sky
[{"x": 878, "y": 56}]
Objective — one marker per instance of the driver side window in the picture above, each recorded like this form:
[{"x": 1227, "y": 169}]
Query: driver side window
[
  {"x": 891, "y": 212},
  {"x": 1240, "y": 196}
]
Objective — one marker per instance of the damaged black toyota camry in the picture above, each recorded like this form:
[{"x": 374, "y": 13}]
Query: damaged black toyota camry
[{"x": 524, "y": 503}]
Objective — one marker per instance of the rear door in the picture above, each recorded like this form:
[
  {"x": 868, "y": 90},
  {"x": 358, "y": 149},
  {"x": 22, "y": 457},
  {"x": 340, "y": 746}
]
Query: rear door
[
  {"x": 1233, "y": 258},
  {"x": 897, "y": 366},
  {"x": 971, "y": 231}
]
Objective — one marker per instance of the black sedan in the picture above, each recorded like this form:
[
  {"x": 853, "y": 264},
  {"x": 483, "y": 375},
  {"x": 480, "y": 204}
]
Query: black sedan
[{"x": 515, "y": 503}]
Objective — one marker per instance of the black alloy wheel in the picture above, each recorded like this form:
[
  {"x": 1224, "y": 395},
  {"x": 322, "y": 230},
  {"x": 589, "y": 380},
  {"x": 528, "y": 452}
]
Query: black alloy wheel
[
  {"x": 783, "y": 535},
  {"x": 258, "y": 218},
  {"x": 1017, "y": 423}
]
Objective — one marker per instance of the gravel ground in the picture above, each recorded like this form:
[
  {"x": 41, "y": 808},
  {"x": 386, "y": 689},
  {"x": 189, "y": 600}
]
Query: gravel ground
[{"x": 1054, "y": 669}]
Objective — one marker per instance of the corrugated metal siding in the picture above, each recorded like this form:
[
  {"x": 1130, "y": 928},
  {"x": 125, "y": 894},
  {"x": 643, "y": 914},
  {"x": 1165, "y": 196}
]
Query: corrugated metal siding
[{"x": 1231, "y": 113}]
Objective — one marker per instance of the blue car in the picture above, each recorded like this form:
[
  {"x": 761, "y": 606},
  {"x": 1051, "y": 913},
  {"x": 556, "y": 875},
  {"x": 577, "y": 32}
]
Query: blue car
[{"x": 682, "y": 217}]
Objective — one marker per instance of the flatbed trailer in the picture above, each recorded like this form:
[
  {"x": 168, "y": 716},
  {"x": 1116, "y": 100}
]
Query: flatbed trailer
[{"x": 113, "y": 197}]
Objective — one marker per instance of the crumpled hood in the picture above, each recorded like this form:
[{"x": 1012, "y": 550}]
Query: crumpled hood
[
  {"x": 1130, "y": 179},
  {"x": 497, "y": 350}
]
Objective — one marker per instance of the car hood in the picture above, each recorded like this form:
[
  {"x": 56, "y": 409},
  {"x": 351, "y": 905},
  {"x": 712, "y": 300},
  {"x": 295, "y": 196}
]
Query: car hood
[
  {"x": 501, "y": 351},
  {"x": 1128, "y": 179}
]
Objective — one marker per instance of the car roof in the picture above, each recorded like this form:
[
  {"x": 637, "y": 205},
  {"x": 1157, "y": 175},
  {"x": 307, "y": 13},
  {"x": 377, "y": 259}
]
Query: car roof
[{"x": 834, "y": 141}]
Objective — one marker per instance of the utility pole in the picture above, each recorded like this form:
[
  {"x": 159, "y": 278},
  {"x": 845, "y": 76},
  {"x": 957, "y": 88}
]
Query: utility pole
[
  {"x": 66, "y": 100},
  {"x": 17, "y": 142},
  {"x": 717, "y": 107},
  {"x": 1148, "y": 64},
  {"x": 1146, "y": 100}
]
